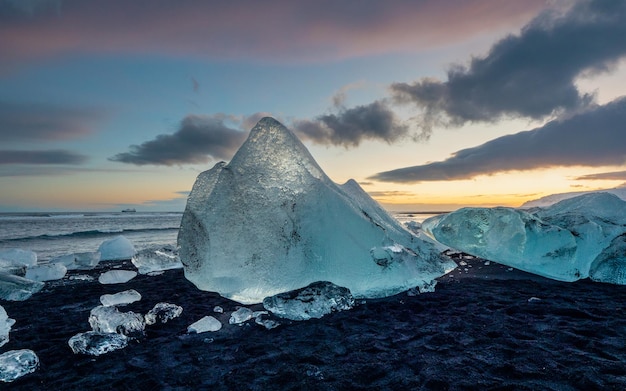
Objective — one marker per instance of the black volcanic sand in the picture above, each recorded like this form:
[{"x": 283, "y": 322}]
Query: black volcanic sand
[{"x": 480, "y": 329}]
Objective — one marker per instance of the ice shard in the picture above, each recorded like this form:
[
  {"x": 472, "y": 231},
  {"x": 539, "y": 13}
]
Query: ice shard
[
  {"x": 5, "y": 326},
  {"x": 156, "y": 259},
  {"x": 117, "y": 276},
  {"x": 110, "y": 320},
  {"x": 120, "y": 298},
  {"x": 96, "y": 343},
  {"x": 162, "y": 313},
  {"x": 17, "y": 363},
  {"x": 14, "y": 288},
  {"x": 271, "y": 221}
]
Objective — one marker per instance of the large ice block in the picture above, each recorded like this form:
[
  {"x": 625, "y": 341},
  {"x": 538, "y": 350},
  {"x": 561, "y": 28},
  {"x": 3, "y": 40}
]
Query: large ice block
[
  {"x": 271, "y": 221},
  {"x": 16, "y": 288},
  {"x": 118, "y": 248}
]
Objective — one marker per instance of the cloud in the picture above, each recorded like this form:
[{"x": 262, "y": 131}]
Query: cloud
[
  {"x": 22, "y": 121},
  {"x": 529, "y": 75},
  {"x": 198, "y": 139},
  {"x": 611, "y": 176},
  {"x": 349, "y": 127},
  {"x": 41, "y": 157},
  {"x": 593, "y": 138},
  {"x": 272, "y": 31}
]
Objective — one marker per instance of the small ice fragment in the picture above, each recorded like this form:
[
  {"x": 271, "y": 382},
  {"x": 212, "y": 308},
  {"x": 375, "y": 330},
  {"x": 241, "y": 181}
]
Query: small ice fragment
[
  {"x": 314, "y": 301},
  {"x": 82, "y": 277},
  {"x": 208, "y": 323},
  {"x": 117, "y": 276},
  {"x": 46, "y": 272},
  {"x": 17, "y": 257},
  {"x": 120, "y": 298},
  {"x": 218, "y": 309},
  {"x": 263, "y": 320},
  {"x": 534, "y": 299},
  {"x": 17, "y": 363},
  {"x": 154, "y": 260},
  {"x": 462, "y": 263},
  {"x": 110, "y": 320},
  {"x": 87, "y": 260},
  {"x": 487, "y": 263},
  {"x": 5, "y": 326},
  {"x": 509, "y": 269},
  {"x": 96, "y": 343},
  {"x": 14, "y": 288},
  {"x": 162, "y": 312},
  {"x": 154, "y": 274},
  {"x": 240, "y": 316},
  {"x": 118, "y": 248}
]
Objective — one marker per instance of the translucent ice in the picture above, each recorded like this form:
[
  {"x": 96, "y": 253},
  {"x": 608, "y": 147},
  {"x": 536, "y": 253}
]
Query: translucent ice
[
  {"x": 271, "y": 221},
  {"x": 96, "y": 343},
  {"x": 46, "y": 272},
  {"x": 5, "y": 326},
  {"x": 314, "y": 301},
  {"x": 153, "y": 260},
  {"x": 162, "y": 313},
  {"x": 17, "y": 363},
  {"x": 78, "y": 261},
  {"x": 110, "y": 320},
  {"x": 117, "y": 276},
  {"x": 208, "y": 323},
  {"x": 16, "y": 288},
  {"x": 17, "y": 257},
  {"x": 118, "y": 248},
  {"x": 120, "y": 298},
  {"x": 610, "y": 265},
  {"x": 240, "y": 316}
]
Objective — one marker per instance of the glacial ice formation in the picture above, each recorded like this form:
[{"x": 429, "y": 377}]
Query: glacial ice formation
[
  {"x": 15, "y": 288},
  {"x": 17, "y": 363},
  {"x": 271, "y": 221},
  {"x": 156, "y": 259},
  {"x": 610, "y": 265},
  {"x": 5, "y": 326},
  {"x": 563, "y": 241},
  {"x": 96, "y": 343},
  {"x": 314, "y": 301},
  {"x": 110, "y": 320},
  {"x": 116, "y": 249},
  {"x": 207, "y": 323},
  {"x": 46, "y": 272},
  {"x": 120, "y": 298},
  {"x": 117, "y": 276},
  {"x": 162, "y": 313}
]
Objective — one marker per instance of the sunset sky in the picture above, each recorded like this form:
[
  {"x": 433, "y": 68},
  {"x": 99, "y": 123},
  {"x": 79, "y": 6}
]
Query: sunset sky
[{"x": 429, "y": 105}]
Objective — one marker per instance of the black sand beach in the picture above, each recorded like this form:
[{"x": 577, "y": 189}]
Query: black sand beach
[{"x": 483, "y": 328}]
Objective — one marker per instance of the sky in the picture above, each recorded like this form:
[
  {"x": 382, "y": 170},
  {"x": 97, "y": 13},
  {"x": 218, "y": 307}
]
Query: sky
[{"x": 430, "y": 105}]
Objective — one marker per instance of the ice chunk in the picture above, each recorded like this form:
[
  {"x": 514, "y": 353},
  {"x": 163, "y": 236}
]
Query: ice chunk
[
  {"x": 110, "y": 320},
  {"x": 46, "y": 272},
  {"x": 16, "y": 288},
  {"x": 262, "y": 319},
  {"x": 240, "y": 316},
  {"x": 208, "y": 323},
  {"x": 96, "y": 343},
  {"x": 154, "y": 260},
  {"x": 17, "y": 363},
  {"x": 17, "y": 257},
  {"x": 117, "y": 276},
  {"x": 5, "y": 326},
  {"x": 314, "y": 301},
  {"x": 610, "y": 265},
  {"x": 120, "y": 298},
  {"x": 603, "y": 205},
  {"x": 306, "y": 228},
  {"x": 118, "y": 248},
  {"x": 163, "y": 312},
  {"x": 218, "y": 309},
  {"x": 78, "y": 261}
]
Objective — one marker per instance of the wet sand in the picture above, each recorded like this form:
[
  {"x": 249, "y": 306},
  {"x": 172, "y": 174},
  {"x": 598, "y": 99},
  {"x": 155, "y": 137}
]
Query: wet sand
[{"x": 485, "y": 327}]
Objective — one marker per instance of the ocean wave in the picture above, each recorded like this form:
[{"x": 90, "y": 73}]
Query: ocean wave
[{"x": 89, "y": 234}]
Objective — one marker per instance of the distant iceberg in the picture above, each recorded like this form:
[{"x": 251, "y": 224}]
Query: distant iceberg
[{"x": 271, "y": 221}]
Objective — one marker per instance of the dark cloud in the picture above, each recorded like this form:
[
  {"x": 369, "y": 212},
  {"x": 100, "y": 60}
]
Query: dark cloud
[
  {"x": 198, "y": 139},
  {"x": 45, "y": 122},
  {"x": 41, "y": 157},
  {"x": 614, "y": 176},
  {"x": 349, "y": 127},
  {"x": 594, "y": 138},
  {"x": 527, "y": 75}
]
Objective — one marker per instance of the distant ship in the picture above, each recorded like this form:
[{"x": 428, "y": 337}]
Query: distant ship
[{"x": 130, "y": 210}]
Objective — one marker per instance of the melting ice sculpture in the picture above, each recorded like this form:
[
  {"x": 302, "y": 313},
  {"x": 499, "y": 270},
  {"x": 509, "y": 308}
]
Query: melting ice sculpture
[
  {"x": 572, "y": 239},
  {"x": 271, "y": 221}
]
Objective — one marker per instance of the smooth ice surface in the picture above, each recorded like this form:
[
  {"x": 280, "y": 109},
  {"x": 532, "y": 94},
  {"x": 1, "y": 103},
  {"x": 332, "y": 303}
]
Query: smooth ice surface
[
  {"x": 17, "y": 363},
  {"x": 560, "y": 241},
  {"x": 314, "y": 301},
  {"x": 96, "y": 343},
  {"x": 17, "y": 257},
  {"x": 110, "y": 320},
  {"x": 46, "y": 272},
  {"x": 5, "y": 326},
  {"x": 207, "y": 323},
  {"x": 162, "y": 313},
  {"x": 14, "y": 288},
  {"x": 117, "y": 276},
  {"x": 154, "y": 260},
  {"x": 240, "y": 316},
  {"x": 271, "y": 221},
  {"x": 78, "y": 261},
  {"x": 610, "y": 265},
  {"x": 120, "y": 298},
  {"x": 118, "y": 248}
]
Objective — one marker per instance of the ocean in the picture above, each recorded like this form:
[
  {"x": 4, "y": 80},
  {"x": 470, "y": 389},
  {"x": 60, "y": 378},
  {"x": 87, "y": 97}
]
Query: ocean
[{"x": 55, "y": 234}]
